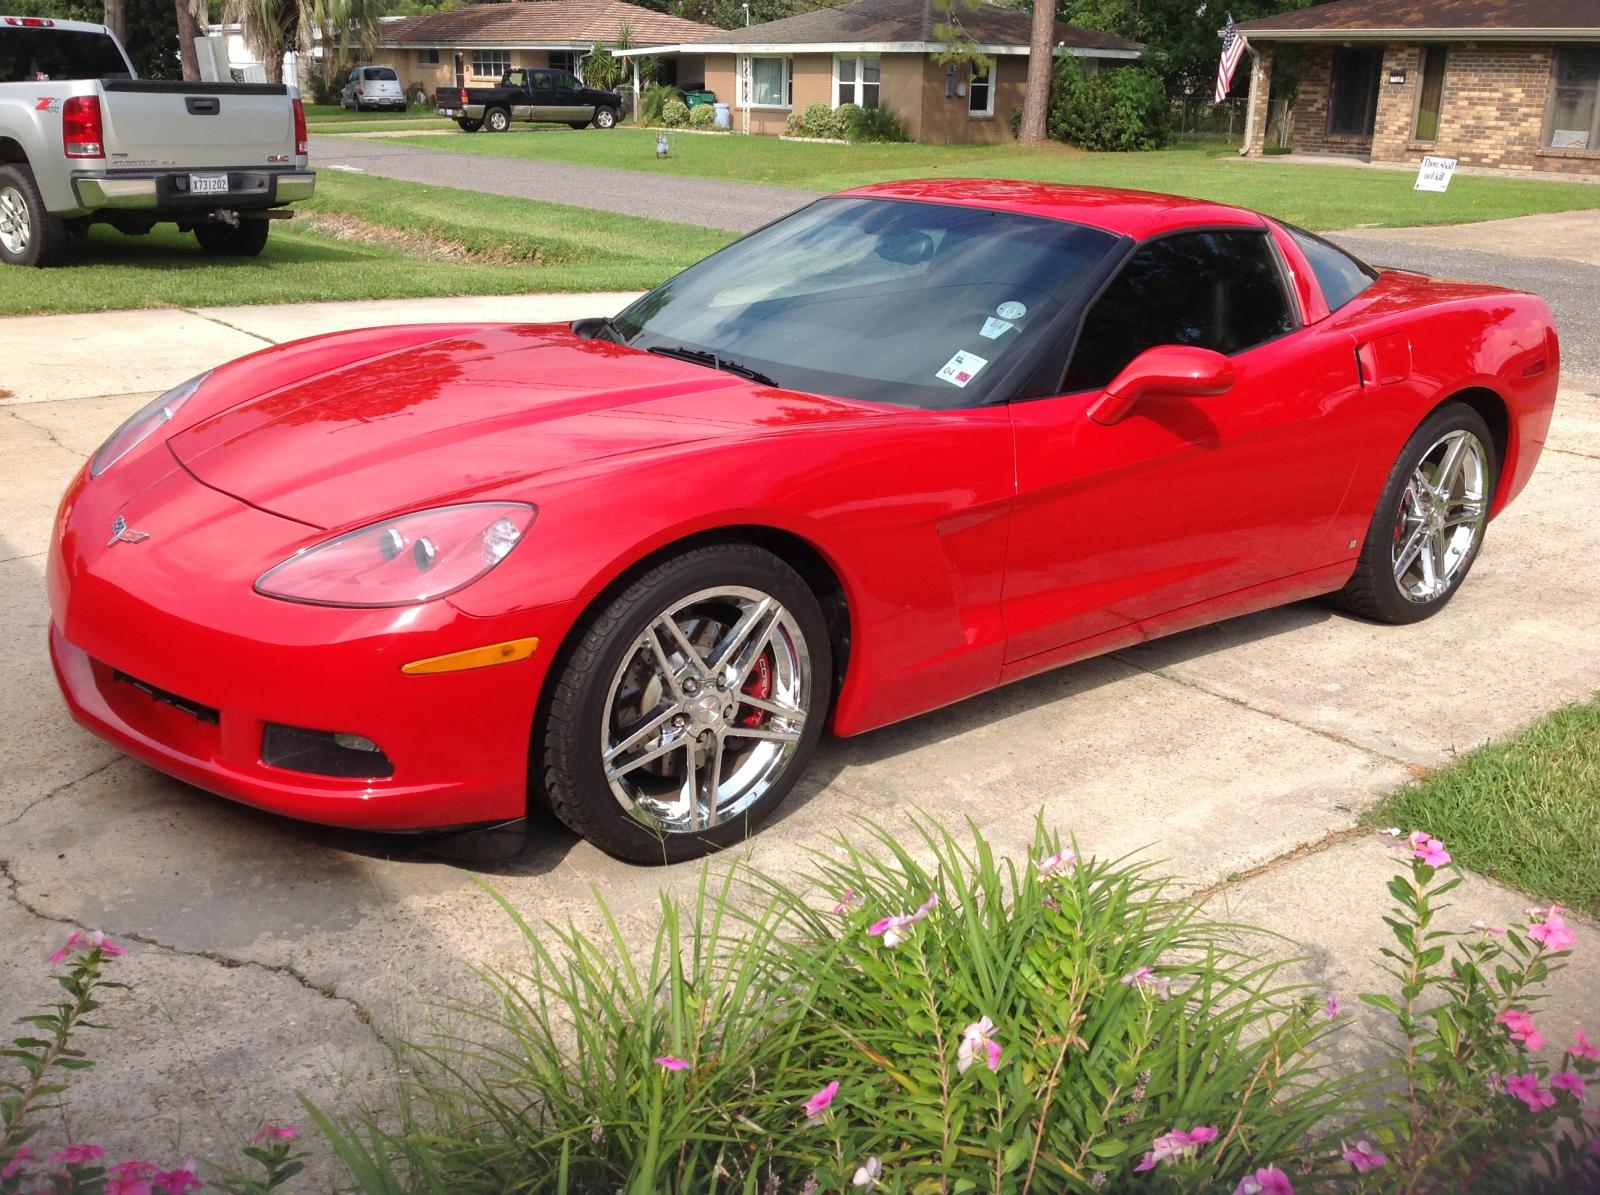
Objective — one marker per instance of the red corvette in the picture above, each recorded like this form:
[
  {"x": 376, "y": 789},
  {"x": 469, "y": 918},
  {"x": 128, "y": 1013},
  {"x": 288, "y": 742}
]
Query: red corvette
[{"x": 908, "y": 444}]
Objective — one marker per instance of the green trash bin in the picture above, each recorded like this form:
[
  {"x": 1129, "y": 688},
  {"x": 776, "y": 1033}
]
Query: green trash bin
[{"x": 695, "y": 98}]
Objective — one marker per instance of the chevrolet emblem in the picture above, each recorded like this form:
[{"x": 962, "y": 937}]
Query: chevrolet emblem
[{"x": 122, "y": 534}]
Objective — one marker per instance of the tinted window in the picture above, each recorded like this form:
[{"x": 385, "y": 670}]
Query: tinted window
[
  {"x": 918, "y": 304},
  {"x": 1214, "y": 290},
  {"x": 29, "y": 54},
  {"x": 558, "y": 79},
  {"x": 1340, "y": 276},
  {"x": 381, "y": 74}
]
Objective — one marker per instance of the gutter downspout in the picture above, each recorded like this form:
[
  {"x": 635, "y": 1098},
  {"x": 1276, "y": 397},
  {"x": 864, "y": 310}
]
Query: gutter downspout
[{"x": 1250, "y": 103}]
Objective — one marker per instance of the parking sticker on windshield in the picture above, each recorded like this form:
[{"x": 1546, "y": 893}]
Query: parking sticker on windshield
[
  {"x": 994, "y": 329},
  {"x": 961, "y": 368},
  {"x": 1012, "y": 310}
]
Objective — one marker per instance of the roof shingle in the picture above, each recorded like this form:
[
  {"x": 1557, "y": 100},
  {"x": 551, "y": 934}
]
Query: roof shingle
[
  {"x": 1499, "y": 17},
  {"x": 543, "y": 22}
]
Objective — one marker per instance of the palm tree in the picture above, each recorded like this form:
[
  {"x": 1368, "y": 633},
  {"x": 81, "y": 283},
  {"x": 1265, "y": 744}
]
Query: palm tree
[{"x": 273, "y": 27}]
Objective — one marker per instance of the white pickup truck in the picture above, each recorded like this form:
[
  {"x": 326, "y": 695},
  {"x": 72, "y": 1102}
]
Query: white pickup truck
[{"x": 83, "y": 141}]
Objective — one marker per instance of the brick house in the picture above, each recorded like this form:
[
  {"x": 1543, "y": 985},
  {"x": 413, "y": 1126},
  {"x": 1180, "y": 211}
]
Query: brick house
[
  {"x": 1502, "y": 83},
  {"x": 883, "y": 53},
  {"x": 476, "y": 45}
]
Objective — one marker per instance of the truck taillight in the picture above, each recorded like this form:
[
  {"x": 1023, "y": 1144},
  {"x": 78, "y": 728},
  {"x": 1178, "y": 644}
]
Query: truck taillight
[
  {"x": 463, "y": 97},
  {"x": 82, "y": 132},
  {"x": 301, "y": 145}
]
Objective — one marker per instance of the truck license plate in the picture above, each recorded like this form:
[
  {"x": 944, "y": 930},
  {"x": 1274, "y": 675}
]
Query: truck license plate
[{"x": 208, "y": 184}]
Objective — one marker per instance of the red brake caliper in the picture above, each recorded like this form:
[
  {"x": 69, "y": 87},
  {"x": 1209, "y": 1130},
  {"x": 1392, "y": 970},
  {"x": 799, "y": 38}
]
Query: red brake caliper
[{"x": 759, "y": 684}]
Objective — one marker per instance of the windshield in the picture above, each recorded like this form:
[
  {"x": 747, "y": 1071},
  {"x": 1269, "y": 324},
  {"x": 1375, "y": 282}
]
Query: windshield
[
  {"x": 42, "y": 55},
  {"x": 917, "y": 304}
]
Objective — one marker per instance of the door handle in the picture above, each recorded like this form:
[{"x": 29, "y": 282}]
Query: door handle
[{"x": 202, "y": 105}]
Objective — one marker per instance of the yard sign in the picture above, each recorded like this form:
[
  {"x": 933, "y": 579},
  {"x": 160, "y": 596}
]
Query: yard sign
[{"x": 1435, "y": 174}]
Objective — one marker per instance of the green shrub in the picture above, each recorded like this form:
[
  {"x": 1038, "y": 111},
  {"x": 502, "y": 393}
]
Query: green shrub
[
  {"x": 1124, "y": 108},
  {"x": 822, "y": 121},
  {"x": 654, "y": 101},
  {"x": 873, "y": 124},
  {"x": 674, "y": 113},
  {"x": 794, "y": 125},
  {"x": 702, "y": 116}
]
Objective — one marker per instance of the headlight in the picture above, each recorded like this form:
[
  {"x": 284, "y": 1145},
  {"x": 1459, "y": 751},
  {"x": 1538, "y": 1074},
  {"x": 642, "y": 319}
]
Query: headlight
[
  {"x": 404, "y": 560},
  {"x": 144, "y": 421}
]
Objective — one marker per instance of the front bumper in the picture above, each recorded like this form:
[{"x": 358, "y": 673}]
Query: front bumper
[
  {"x": 168, "y": 190},
  {"x": 136, "y": 625}
]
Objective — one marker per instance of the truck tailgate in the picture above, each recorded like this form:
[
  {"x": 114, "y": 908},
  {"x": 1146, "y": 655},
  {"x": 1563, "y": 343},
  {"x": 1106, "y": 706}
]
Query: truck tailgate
[{"x": 152, "y": 122}]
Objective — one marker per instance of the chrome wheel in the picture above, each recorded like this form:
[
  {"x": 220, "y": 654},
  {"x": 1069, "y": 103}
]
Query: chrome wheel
[
  {"x": 707, "y": 710},
  {"x": 15, "y": 226},
  {"x": 1443, "y": 511}
]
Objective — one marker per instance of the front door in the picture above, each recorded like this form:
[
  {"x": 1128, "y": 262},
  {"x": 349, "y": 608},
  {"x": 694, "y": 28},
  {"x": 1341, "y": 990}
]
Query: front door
[{"x": 1185, "y": 499}]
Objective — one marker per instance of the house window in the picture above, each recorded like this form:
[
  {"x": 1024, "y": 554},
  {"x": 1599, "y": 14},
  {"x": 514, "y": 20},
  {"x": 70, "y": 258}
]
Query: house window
[
  {"x": 855, "y": 81},
  {"x": 490, "y": 64},
  {"x": 1575, "y": 100},
  {"x": 428, "y": 57},
  {"x": 980, "y": 93},
  {"x": 1353, "y": 98},
  {"x": 1430, "y": 96},
  {"x": 766, "y": 82},
  {"x": 564, "y": 60}
]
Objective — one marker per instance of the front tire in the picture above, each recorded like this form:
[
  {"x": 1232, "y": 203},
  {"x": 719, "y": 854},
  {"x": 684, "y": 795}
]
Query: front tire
[
  {"x": 29, "y": 235},
  {"x": 687, "y": 707},
  {"x": 1430, "y": 521},
  {"x": 245, "y": 239},
  {"x": 605, "y": 118},
  {"x": 497, "y": 120}
]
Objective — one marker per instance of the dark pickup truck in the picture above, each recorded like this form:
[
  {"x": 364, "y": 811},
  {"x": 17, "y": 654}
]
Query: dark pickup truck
[{"x": 547, "y": 96}]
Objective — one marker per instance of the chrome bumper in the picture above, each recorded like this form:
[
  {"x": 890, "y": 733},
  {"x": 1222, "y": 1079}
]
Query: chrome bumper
[{"x": 260, "y": 189}]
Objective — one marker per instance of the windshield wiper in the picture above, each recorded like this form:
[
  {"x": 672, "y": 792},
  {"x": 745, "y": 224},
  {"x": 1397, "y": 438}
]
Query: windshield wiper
[{"x": 714, "y": 360}]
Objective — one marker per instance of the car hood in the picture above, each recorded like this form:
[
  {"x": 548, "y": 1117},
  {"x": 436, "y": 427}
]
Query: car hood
[{"x": 470, "y": 413}]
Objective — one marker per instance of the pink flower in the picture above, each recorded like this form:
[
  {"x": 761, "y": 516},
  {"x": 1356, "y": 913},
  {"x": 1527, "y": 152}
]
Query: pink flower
[
  {"x": 131, "y": 1178},
  {"x": 1270, "y": 1181},
  {"x": 1582, "y": 1049},
  {"x": 1430, "y": 850},
  {"x": 77, "y": 1155},
  {"x": 1333, "y": 1007},
  {"x": 273, "y": 1132},
  {"x": 23, "y": 1154},
  {"x": 820, "y": 1102},
  {"x": 977, "y": 1040},
  {"x": 182, "y": 1180},
  {"x": 668, "y": 1062},
  {"x": 1364, "y": 1156},
  {"x": 1526, "y": 1088},
  {"x": 845, "y": 903},
  {"x": 1553, "y": 931},
  {"x": 1522, "y": 1029},
  {"x": 1568, "y": 1081},
  {"x": 896, "y": 928},
  {"x": 87, "y": 941},
  {"x": 1145, "y": 977},
  {"x": 1056, "y": 864},
  {"x": 868, "y": 1173},
  {"x": 1176, "y": 1144}
]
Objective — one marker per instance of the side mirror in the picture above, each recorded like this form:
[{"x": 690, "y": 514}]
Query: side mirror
[{"x": 1167, "y": 369}]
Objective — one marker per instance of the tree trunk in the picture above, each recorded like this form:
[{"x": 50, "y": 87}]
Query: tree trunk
[
  {"x": 272, "y": 62},
  {"x": 188, "y": 30},
  {"x": 1041, "y": 65},
  {"x": 116, "y": 19}
]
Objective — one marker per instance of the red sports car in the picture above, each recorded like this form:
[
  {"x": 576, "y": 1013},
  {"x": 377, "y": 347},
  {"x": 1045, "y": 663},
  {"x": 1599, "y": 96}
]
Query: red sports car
[{"x": 910, "y": 443}]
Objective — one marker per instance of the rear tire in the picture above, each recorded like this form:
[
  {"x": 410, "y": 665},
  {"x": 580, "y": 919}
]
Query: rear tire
[
  {"x": 467, "y": 125},
  {"x": 1424, "y": 535},
  {"x": 29, "y": 235},
  {"x": 497, "y": 120},
  {"x": 605, "y": 118},
  {"x": 577, "y": 124},
  {"x": 246, "y": 239},
  {"x": 622, "y": 724}
]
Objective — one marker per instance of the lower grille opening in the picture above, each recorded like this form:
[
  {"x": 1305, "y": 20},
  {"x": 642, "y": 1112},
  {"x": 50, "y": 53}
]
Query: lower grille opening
[
  {"x": 203, "y": 713},
  {"x": 324, "y": 753}
]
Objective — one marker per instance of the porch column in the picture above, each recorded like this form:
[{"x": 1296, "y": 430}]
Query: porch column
[{"x": 1256, "y": 108}]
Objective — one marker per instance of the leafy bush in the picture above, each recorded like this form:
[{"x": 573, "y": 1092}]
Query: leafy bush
[
  {"x": 819, "y": 120},
  {"x": 674, "y": 113},
  {"x": 702, "y": 116},
  {"x": 652, "y": 104},
  {"x": 1124, "y": 108},
  {"x": 873, "y": 124},
  {"x": 979, "y": 1024}
]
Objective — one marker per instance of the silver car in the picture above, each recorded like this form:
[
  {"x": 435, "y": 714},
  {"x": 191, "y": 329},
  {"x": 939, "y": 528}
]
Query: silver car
[{"x": 372, "y": 87}]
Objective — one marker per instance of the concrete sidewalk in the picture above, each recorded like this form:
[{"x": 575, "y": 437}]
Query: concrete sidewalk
[{"x": 270, "y": 957}]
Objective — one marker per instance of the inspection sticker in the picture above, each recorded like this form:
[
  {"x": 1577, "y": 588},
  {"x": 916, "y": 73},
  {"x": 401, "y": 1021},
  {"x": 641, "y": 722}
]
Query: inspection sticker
[
  {"x": 961, "y": 368},
  {"x": 1011, "y": 310},
  {"x": 994, "y": 329}
]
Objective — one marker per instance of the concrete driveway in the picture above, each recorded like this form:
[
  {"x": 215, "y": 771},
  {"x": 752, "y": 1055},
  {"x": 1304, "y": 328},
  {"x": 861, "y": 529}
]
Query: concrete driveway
[{"x": 270, "y": 957}]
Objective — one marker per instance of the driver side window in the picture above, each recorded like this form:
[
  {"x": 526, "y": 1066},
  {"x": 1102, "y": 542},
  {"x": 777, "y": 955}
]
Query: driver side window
[{"x": 1213, "y": 290}]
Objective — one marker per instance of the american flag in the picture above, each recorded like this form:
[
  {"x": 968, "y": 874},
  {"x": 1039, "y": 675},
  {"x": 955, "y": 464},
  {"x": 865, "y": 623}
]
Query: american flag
[{"x": 1233, "y": 48}]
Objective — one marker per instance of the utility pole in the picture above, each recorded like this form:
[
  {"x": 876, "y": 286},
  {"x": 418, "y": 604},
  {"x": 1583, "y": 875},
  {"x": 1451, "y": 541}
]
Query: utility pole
[{"x": 116, "y": 19}]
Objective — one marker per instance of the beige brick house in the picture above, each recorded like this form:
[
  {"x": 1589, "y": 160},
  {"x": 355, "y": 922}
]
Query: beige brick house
[
  {"x": 881, "y": 53},
  {"x": 476, "y": 45},
  {"x": 1501, "y": 83}
]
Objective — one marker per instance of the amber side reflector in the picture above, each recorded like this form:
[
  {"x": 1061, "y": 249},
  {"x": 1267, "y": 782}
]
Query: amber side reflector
[{"x": 474, "y": 657}]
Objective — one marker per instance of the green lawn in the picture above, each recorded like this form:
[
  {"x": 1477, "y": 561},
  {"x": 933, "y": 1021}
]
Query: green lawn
[
  {"x": 531, "y": 247},
  {"x": 1526, "y": 811},
  {"x": 418, "y": 123},
  {"x": 326, "y": 113},
  {"x": 1318, "y": 197}
]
